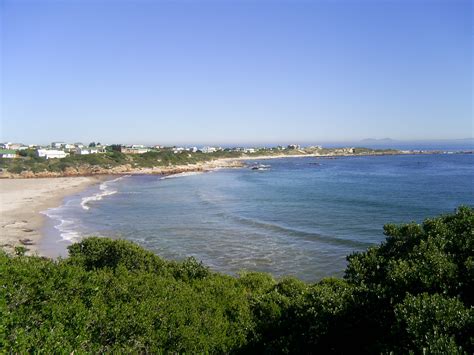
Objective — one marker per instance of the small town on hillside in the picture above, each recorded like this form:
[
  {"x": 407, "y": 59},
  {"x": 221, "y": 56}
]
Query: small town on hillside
[{"x": 62, "y": 149}]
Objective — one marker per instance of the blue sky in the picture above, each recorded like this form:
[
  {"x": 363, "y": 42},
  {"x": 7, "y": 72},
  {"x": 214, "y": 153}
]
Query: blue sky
[{"x": 235, "y": 71}]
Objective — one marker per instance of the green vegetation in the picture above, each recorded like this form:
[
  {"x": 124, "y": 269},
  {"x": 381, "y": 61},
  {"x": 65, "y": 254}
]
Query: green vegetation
[
  {"x": 413, "y": 293},
  {"x": 30, "y": 162}
]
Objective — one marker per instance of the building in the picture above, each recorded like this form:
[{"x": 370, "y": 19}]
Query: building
[
  {"x": 208, "y": 149},
  {"x": 178, "y": 150},
  {"x": 58, "y": 145},
  {"x": 86, "y": 151},
  {"x": 345, "y": 150},
  {"x": 131, "y": 150},
  {"x": 13, "y": 146},
  {"x": 52, "y": 153},
  {"x": 7, "y": 153}
]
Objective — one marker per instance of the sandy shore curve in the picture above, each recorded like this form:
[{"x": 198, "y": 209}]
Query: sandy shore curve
[{"x": 22, "y": 200}]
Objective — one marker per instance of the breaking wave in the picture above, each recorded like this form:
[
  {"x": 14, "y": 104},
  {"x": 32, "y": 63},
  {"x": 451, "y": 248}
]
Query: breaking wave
[
  {"x": 65, "y": 226},
  {"x": 104, "y": 190}
]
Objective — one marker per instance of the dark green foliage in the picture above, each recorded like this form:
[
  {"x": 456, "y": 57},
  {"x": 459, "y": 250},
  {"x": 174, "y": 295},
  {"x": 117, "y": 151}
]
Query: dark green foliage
[
  {"x": 20, "y": 250},
  {"x": 114, "y": 147},
  {"x": 413, "y": 293},
  {"x": 437, "y": 323},
  {"x": 99, "y": 253},
  {"x": 115, "y": 296},
  {"x": 295, "y": 317},
  {"x": 28, "y": 153},
  {"x": 434, "y": 259}
]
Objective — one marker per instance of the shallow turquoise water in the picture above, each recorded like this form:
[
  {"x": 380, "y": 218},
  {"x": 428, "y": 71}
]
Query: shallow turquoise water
[{"x": 300, "y": 218}]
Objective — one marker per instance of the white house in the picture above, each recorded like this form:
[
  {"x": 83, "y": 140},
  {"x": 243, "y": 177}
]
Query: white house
[
  {"x": 13, "y": 146},
  {"x": 85, "y": 151},
  {"x": 208, "y": 149},
  {"x": 178, "y": 150},
  {"x": 58, "y": 145},
  {"x": 51, "y": 153}
]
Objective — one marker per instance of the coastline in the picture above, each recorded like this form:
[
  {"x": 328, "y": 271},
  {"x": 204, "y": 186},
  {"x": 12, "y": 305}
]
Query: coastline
[
  {"x": 22, "y": 200},
  {"x": 218, "y": 163},
  {"x": 94, "y": 171}
]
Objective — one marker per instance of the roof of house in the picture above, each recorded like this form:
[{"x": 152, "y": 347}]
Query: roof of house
[{"x": 7, "y": 151}]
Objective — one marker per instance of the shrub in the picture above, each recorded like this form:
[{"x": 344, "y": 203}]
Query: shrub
[{"x": 411, "y": 294}]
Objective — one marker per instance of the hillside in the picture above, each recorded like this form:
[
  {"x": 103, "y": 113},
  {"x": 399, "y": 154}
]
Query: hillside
[{"x": 162, "y": 161}]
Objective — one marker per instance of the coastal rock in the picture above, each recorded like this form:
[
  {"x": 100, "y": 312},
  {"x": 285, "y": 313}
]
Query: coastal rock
[{"x": 88, "y": 170}]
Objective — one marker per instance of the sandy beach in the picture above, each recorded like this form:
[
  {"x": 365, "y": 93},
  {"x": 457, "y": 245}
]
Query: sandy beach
[{"x": 22, "y": 200}]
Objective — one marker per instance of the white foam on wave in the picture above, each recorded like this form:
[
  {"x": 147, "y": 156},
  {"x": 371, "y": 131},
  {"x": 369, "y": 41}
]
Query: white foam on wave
[
  {"x": 66, "y": 231},
  {"x": 65, "y": 227},
  {"x": 188, "y": 173},
  {"x": 104, "y": 190}
]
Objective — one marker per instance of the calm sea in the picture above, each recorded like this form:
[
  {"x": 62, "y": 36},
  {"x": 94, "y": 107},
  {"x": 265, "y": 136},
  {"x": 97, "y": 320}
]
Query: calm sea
[{"x": 301, "y": 217}]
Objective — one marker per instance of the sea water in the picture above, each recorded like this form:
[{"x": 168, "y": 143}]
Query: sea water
[{"x": 302, "y": 217}]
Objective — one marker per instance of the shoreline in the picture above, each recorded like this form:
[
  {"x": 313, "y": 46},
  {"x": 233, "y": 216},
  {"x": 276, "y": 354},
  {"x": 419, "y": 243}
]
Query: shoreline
[
  {"x": 219, "y": 163},
  {"x": 23, "y": 200}
]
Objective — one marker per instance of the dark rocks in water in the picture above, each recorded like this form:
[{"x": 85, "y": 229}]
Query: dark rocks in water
[{"x": 26, "y": 241}]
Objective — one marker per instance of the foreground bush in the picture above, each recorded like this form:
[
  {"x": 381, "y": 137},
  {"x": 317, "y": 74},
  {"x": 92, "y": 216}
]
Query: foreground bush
[{"x": 413, "y": 293}]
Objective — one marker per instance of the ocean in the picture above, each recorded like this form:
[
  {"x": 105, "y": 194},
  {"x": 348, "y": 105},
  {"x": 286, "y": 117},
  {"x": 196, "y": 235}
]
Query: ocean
[{"x": 301, "y": 218}]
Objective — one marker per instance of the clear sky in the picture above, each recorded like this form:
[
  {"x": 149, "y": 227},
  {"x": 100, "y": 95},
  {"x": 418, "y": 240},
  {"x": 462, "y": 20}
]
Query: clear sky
[{"x": 235, "y": 71}]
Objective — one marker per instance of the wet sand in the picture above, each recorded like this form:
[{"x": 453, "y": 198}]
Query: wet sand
[{"x": 22, "y": 200}]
